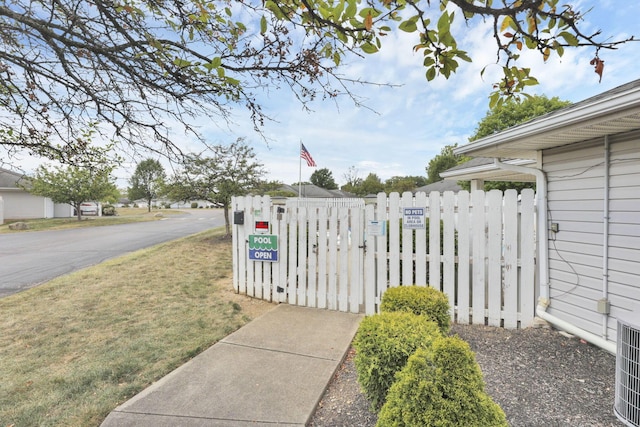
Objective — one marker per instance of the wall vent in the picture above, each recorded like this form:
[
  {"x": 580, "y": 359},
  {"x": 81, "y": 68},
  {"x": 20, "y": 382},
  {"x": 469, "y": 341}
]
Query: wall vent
[{"x": 627, "y": 399}]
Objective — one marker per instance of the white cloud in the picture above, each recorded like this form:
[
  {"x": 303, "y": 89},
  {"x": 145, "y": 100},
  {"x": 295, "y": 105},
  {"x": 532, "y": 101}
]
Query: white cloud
[{"x": 416, "y": 119}]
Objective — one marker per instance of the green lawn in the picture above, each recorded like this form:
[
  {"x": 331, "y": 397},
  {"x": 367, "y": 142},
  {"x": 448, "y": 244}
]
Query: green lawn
[
  {"x": 124, "y": 216},
  {"x": 74, "y": 348}
]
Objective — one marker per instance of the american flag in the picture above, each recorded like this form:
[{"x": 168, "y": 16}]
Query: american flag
[{"x": 305, "y": 155}]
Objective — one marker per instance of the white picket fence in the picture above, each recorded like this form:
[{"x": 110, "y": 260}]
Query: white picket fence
[{"x": 477, "y": 248}]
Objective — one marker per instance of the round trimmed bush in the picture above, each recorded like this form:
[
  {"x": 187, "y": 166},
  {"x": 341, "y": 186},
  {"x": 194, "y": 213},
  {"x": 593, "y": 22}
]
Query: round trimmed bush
[
  {"x": 441, "y": 386},
  {"x": 421, "y": 300},
  {"x": 108, "y": 210},
  {"x": 383, "y": 345}
]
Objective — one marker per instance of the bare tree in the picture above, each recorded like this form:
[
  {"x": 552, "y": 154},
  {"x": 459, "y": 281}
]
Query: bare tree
[{"x": 131, "y": 67}]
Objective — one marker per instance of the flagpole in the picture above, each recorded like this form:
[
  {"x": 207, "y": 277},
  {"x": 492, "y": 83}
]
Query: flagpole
[{"x": 300, "y": 170}]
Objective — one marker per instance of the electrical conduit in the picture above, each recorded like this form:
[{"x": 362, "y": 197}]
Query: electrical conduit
[{"x": 543, "y": 259}]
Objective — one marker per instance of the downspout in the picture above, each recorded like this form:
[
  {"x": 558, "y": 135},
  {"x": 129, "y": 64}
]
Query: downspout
[
  {"x": 543, "y": 259},
  {"x": 542, "y": 228},
  {"x": 605, "y": 244}
]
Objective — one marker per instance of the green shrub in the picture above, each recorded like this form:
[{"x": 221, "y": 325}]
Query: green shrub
[
  {"x": 383, "y": 344},
  {"x": 421, "y": 300},
  {"x": 441, "y": 386},
  {"x": 108, "y": 210},
  {"x": 194, "y": 205}
]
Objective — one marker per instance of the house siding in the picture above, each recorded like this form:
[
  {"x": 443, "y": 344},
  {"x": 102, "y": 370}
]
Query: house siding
[
  {"x": 22, "y": 205},
  {"x": 576, "y": 189}
]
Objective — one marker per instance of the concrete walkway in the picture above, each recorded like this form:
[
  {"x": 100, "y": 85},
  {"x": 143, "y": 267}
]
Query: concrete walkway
[{"x": 273, "y": 370}]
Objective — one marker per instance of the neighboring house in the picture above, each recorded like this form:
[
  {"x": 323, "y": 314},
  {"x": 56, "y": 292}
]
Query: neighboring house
[
  {"x": 19, "y": 204},
  {"x": 440, "y": 186},
  {"x": 313, "y": 191},
  {"x": 585, "y": 159},
  {"x": 122, "y": 202}
]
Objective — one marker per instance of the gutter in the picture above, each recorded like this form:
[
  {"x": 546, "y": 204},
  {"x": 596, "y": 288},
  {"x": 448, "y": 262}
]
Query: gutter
[
  {"x": 543, "y": 260},
  {"x": 616, "y": 103}
]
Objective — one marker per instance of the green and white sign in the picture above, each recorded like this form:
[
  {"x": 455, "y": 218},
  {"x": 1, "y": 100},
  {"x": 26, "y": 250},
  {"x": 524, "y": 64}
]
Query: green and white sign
[{"x": 263, "y": 247}]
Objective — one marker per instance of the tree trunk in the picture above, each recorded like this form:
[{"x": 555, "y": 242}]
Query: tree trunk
[
  {"x": 149, "y": 205},
  {"x": 78, "y": 211},
  {"x": 226, "y": 219}
]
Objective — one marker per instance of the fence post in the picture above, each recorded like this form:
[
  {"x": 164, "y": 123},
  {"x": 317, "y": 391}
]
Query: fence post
[
  {"x": 292, "y": 274},
  {"x": 343, "y": 259},
  {"x": 239, "y": 249},
  {"x": 478, "y": 243},
  {"x": 510, "y": 286},
  {"x": 527, "y": 257},
  {"x": 280, "y": 270},
  {"x": 322, "y": 257},
  {"x": 494, "y": 249},
  {"x": 464, "y": 257},
  {"x": 356, "y": 258},
  {"x": 421, "y": 244},
  {"x": 370, "y": 272},
  {"x": 382, "y": 258},
  {"x": 333, "y": 259},
  {"x": 449, "y": 243},
  {"x": 434, "y": 240},
  {"x": 394, "y": 239}
]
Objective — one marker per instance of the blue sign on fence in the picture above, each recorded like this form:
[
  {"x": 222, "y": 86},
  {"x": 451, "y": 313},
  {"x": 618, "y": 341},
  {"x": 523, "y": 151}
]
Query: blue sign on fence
[{"x": 413, "y": 218}]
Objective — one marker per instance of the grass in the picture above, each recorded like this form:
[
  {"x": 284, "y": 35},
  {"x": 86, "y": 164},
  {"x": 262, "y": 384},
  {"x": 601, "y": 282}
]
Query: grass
[
  {"x": 73, "y": 349},
  {"x": 124, "y": 216}
]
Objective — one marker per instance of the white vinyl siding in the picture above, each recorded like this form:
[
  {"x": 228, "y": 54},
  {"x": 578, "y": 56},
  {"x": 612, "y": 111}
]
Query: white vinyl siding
[
  {"x": 576, "y": 189},
  {"x": 22, "y": 205}
]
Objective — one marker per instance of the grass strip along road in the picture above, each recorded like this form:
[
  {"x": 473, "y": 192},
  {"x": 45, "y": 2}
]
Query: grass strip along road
[
  {"x": 73, "y": 349},
  {"x": 124, "y": 216}
]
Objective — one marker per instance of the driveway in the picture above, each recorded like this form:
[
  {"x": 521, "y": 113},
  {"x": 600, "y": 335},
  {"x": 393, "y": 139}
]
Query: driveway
[{"x": 30, "y": 258}]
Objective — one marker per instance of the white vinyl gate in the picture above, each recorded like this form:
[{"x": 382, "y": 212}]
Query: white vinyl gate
[{"x": 478, "y": 248}]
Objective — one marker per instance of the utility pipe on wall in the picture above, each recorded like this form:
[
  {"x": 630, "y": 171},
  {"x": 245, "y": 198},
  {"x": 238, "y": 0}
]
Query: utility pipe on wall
[
  {"x": 542, "y": 227},
  {"x": 543, "y": 260},
  {"x": 605, "y": 233}
]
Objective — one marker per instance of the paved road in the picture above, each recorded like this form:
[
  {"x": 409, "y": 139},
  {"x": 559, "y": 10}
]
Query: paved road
[{"x": 30, "y": 258}]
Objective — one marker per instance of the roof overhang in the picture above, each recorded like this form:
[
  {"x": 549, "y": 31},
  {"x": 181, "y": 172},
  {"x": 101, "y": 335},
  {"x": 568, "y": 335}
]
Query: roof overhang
[
  {"x": 612, "y": 112},
  {"x": 490, "y": 172}
]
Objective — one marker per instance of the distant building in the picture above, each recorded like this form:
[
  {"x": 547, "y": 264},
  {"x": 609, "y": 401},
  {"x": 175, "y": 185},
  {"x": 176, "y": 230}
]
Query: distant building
[
  {"x": 313, "y": 192},
  {"x": 17, "y": 203},
  {"x": 440, "y": 186}
]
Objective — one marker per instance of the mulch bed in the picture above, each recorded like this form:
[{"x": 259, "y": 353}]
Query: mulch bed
[{"x": 538, "y": 376}]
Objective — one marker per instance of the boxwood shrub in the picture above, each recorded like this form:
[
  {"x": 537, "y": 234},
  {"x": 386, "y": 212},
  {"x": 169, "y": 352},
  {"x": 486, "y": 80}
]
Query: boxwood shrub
[
  {"x": 421, "y": 300},
  {"x": 383, "y": 344},
  {"x": 441, "y": 386},
  {"x": 108, "y": 210}
]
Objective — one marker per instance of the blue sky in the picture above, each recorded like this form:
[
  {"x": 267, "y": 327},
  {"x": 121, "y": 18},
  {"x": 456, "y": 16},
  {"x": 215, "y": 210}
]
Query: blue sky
[
  {"x": 406, "y": 126},
  {"x": 411, "y": 123}
]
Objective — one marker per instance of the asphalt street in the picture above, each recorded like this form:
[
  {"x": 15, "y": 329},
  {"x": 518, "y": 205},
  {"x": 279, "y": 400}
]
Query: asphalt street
[{"x": 28, "y": 259}]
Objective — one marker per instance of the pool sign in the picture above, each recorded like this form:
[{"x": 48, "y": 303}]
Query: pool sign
[
  {"x": 413, "y": 218},
  {"x": 263, "y": 247}
]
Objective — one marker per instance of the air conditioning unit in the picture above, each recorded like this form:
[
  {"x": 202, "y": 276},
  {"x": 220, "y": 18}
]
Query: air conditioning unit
[{"x": 627, "y": 399}]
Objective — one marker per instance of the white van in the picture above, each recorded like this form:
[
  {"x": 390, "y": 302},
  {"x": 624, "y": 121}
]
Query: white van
[{"x": 89, "y": 209}]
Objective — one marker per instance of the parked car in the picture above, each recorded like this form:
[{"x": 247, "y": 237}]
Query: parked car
[{"x": 89, "y": 208}]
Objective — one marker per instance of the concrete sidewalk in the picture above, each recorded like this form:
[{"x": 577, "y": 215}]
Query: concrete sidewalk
[{"x": 273, "y": 370}]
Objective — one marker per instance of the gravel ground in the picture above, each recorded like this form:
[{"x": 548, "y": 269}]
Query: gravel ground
[{"x": 538, "y": 376}]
